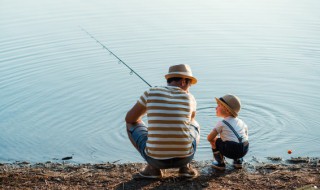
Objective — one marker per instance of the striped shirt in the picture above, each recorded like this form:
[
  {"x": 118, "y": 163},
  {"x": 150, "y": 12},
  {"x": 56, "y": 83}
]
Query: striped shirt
[{"x": 169, "y": 111}]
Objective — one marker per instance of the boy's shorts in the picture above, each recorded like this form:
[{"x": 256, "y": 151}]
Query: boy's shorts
[
  {"x": 139, "y": 134},
  {"x": 231, "y": 149}
]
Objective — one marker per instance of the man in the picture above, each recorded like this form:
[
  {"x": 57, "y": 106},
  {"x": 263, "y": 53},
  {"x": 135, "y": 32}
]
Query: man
[{"x": 172, "y": 135}]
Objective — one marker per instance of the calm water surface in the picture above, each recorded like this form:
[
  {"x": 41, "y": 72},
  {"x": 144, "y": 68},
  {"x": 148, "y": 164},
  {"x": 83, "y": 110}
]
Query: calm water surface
[{"x": 61, "y": 94}]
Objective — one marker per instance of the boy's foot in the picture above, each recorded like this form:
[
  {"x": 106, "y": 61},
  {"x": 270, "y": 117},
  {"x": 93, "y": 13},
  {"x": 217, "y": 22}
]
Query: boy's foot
[
  {"x": 187, "y": 171},
  {"x": 219, "y": 166},
  {"x": 151, "y": 172},
  {"x": 237, "y": 163}
]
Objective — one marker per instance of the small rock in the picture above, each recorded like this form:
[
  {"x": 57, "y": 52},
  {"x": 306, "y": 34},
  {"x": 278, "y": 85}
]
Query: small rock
[
  {"x": 299, "y": 160},
  {"x": 24, "y": 163},
  {"x": 205, "y": 184},
  {"x": 67, "y": 158},
  {"x": 274, "y": 158}
]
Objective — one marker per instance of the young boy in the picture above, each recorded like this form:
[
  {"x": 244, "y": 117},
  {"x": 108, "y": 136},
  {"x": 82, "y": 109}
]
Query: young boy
[{"x": 233, "y": 141}]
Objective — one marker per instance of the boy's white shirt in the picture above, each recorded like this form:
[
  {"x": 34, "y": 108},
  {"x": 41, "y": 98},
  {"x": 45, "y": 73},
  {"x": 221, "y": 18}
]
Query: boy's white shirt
[{"x": 226, "y": 134}]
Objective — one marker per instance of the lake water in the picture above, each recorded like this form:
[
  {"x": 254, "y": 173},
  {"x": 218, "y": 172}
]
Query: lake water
[{"x": 62, "y": 94}]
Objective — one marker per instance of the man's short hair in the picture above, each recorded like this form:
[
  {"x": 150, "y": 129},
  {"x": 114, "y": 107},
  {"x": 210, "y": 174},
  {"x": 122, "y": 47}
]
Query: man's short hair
[{"x": 177, "y": 79}]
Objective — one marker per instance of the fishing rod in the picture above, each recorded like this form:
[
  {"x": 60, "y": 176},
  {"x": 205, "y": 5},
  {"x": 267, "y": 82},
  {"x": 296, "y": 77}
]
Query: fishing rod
[{"x": 120, "y": 61}]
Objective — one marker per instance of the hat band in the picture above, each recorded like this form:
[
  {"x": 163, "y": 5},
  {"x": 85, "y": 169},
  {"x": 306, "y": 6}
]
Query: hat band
[
  {"x": 230, "y": 109},
  {"x": 181, "y": 73},
  {"x": 224, "y": 101}
]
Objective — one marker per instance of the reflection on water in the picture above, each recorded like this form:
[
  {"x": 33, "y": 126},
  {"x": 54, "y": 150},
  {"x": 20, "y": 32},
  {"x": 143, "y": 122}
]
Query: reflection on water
[{"x": 62, "y": 94}]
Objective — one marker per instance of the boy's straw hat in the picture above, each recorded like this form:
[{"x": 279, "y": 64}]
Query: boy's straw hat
[
  {"x": 182, "y": 70},
  {"x": 231, "y": 102}
]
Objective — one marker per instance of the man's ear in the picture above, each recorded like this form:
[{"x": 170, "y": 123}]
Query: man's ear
[
  {"x": 186, "y": 82},
  {"x": 181, "y": 83}
]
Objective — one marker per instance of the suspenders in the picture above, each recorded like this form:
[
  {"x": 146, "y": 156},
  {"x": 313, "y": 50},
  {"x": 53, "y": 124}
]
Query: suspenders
[{"x": 232, "y": 129}]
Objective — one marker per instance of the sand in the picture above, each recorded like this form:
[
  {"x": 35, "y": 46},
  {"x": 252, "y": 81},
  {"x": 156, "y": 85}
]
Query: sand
[{"x": 296, "y": 173}]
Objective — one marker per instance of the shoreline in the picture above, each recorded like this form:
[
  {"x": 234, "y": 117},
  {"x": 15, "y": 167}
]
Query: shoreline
[{"x": 295, "y": 173}]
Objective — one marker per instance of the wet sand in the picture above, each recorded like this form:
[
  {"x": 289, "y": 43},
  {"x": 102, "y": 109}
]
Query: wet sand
[{"x": 295, "y": 173}]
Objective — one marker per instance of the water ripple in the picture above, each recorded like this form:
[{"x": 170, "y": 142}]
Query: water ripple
[{"x": 63, "y": 94}]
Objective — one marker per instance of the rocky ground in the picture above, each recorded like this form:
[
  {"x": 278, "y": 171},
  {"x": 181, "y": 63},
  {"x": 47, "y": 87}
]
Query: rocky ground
[{"x": 295, "y": 173}]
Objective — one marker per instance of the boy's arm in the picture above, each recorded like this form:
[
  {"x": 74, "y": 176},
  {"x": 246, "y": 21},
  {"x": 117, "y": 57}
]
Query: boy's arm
[
  {"x": 246, "y": 131},
  {"x": 212, "y": 135}
]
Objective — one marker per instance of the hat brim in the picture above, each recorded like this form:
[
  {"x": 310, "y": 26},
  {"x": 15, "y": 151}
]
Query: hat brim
[
  {"x": 193, "y": 80},
  {"x": 226, "y": 106}
]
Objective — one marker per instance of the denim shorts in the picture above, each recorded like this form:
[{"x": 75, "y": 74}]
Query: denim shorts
[{"x": 139, "y": 134}]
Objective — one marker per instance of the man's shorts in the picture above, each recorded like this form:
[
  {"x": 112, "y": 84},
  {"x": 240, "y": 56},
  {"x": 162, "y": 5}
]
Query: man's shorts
[{"x": 139, "y": 134}]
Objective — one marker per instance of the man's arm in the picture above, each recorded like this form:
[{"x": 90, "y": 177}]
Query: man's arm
[
  {"x": 135, "y": 114},
  {"x": 193, "y": 116}
]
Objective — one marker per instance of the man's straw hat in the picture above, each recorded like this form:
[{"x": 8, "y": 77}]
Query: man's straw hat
[
  {"x": 183, "y": 71},
  {"x": 231, "y": 102}
]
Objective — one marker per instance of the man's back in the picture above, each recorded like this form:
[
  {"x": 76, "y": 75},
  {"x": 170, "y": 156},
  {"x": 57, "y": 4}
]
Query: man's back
[
  {"x": 169, "y": 112},
  {"x": 170, "y": 139}
]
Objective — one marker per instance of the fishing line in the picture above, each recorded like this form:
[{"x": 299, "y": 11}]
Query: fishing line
[{"x": 120, "y": 61}]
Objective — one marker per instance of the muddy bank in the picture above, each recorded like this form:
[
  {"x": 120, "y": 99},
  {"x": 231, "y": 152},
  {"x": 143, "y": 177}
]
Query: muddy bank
[{"x": 295, "y": 173}]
